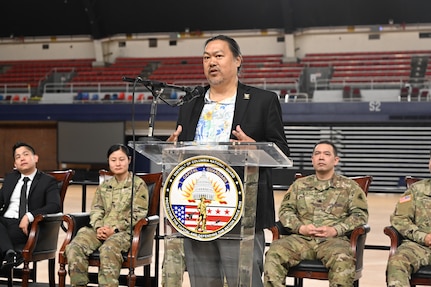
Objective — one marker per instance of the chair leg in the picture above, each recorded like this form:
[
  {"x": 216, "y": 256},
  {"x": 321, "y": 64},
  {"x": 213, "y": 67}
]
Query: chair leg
[
  {"x": 10, "y": 278},
  {"x": 51, "y": 272},
  {"x": 147, "y": 274},
  {"x": 62, "y": 275},
  {"x": 33, "y": 272},
  {"x": 131, "y": 278},
  {"x": 25, "y": 274},
  {"x": 299, "y": 282}
]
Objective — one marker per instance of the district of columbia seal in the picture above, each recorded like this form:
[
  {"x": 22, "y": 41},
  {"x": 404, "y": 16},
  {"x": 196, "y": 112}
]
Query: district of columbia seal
[{"x": 203, "y": 198}]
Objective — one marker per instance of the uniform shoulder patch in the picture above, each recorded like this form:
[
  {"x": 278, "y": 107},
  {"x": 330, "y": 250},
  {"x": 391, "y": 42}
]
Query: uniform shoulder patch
[{"x": 405, "y": 198}]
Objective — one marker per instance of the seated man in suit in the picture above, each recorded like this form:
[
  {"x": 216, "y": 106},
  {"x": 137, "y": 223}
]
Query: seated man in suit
[
  {"x": 320, "y": 210},
  {"x": 412, "y": 220},
  {"x": 26, "y": 192}
]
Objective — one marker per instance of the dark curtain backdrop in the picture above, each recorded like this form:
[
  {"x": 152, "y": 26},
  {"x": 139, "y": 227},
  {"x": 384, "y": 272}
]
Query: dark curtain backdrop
[{"x": 102, "y": 18}]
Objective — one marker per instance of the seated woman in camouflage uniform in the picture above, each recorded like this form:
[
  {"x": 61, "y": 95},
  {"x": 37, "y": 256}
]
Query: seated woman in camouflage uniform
[{"x": 110, "y": 220}]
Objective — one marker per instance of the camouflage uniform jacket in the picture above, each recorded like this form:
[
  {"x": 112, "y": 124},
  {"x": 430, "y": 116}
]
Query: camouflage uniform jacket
[
  {"x": 338, "y": 202},
  {"x": 412, "y": 215},
  {"x": 111, "y": 203}
]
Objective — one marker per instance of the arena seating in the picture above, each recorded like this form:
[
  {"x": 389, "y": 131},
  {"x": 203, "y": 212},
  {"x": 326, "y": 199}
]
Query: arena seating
[
  {"x": 366, "y": 69},
  {"x": 112, "y": 73},
  {"x": 355, "y": 71},
  {"x": 424, "y": 95},
  {"x": 272, "y": 70},
  {"x": 178, "y": 70},
  {"x": 33, "y": 72},
  {"x": 256, "y": 69},
  {"x": 374, "y": 148}
]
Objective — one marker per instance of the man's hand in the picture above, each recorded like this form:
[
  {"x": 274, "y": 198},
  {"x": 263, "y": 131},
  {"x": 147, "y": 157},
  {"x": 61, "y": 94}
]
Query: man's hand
[
  {"x": 240, "y": 135},
  {"x": 323, "y": 231},
  {"x": 427, "y": 240},
  {"x": 24, "y": 223},
  {"x": 103, "y": 233},
  {"x": 174, "y": 137}
]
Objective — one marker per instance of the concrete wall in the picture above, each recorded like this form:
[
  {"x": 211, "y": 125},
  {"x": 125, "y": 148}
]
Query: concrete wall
[
  {"x": 351, "y": 39},
  {"x": 389, "y": 95},
  {"x": 252, "y": 42}
]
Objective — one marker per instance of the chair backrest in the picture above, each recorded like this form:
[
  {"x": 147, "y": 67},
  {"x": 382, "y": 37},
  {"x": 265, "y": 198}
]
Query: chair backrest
[
  {"x": 63, "y": 177},
  {"x": 363, "y": 181},
  {"x": 46, "y": 236},
  {"x": 410, "y": 180},
  {"x": 154, "y": 184},
  {"x": 424, "y": 95}
]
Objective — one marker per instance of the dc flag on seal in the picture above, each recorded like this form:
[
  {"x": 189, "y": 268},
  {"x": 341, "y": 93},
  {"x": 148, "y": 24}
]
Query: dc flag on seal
[{"x": 217, "y": 216}]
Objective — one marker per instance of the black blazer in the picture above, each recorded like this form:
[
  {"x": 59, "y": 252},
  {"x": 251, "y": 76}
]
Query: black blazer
[
  {"x": 258, "y": 112},
  {"x": 43, "y": 196}
]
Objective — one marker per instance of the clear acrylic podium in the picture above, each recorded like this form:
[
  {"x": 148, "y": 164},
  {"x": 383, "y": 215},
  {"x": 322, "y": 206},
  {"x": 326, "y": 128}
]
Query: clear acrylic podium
[{"x": 247, "y": 157}]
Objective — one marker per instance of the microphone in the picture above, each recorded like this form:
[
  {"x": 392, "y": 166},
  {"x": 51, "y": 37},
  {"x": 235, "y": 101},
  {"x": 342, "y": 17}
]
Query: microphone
[
  {"x": 190, "y": 95},
  {"x": 145, "y": 82},
  {"x": 154, "y": 84}
]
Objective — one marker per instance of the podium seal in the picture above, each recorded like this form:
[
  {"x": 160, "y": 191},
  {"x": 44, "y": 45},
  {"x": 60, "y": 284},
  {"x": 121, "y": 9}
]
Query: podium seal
[{"x": 203, "y": 198}]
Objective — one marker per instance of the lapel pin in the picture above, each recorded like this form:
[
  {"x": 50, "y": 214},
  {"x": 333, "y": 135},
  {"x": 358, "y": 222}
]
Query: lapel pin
[{"x": 246, "y": 96}]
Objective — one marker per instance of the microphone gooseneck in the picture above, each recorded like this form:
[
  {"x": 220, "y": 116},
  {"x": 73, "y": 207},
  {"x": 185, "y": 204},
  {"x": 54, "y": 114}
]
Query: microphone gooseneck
[
  {"x": 145, "y": 82},
  {"x": 156, "y": 88},
  {"x": 197, "y": 92},
  {"x": 152, "y": 83}
]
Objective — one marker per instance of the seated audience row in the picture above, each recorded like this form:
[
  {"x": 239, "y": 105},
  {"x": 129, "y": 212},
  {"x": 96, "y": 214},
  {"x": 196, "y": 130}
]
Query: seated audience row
[{"x": 320, "y": 211}]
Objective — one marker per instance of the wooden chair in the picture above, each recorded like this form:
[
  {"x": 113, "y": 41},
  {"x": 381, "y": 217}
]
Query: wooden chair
[
  {"x": 410, "y": 180},
  {"x": 314, "y": 269},
  {"x": 43, "y": 239},
  {"x": 141, "y": 251},
  {"x": 423, "y": 275},
  {"x": 64, "y": 177}
]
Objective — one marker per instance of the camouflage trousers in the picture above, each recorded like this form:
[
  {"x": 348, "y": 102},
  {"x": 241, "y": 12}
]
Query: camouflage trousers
[
  {"x": 288, "y": 251},
  {"x": 174, "y": 265},
  {"x": 408, "y": 258},
  {"x": 84, "y": 243}
]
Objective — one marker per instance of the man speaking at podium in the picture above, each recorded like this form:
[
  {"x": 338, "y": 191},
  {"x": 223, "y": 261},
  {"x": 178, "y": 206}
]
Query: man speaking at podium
[{"x": 230, "y": 111}]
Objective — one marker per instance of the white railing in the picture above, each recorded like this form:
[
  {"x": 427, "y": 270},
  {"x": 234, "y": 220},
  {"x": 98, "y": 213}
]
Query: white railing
[
  {"x": 15, "y": 88},
  {"x": 94, "y": 87},
  {"x": 295, "y": 97},
  {"x": 369, "y": 83},
  {"x": 101, "y": 87}
]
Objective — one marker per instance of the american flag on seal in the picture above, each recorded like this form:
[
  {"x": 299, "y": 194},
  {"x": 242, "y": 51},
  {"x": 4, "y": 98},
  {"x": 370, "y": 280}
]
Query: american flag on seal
[{"x": 217, "y": 216}]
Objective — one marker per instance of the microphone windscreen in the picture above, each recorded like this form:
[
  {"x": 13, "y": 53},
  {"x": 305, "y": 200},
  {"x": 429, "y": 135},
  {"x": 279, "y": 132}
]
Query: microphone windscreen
[{"x": 199, "y": 90}]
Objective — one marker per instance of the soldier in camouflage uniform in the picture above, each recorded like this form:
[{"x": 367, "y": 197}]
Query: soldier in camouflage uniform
[
  {"x": 110, "y": 222},
  {"x": 320, "y": 210},
  {"x": 412, "y": 219},
  {"x": 174, "y": 265}
]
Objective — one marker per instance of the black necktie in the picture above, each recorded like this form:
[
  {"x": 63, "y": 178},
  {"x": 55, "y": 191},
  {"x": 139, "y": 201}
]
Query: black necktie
[{"x": 23, "y": 198}]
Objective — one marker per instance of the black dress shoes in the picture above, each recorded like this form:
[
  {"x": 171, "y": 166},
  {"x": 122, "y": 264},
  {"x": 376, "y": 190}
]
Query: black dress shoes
[{"x": 12, "y": 259}]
